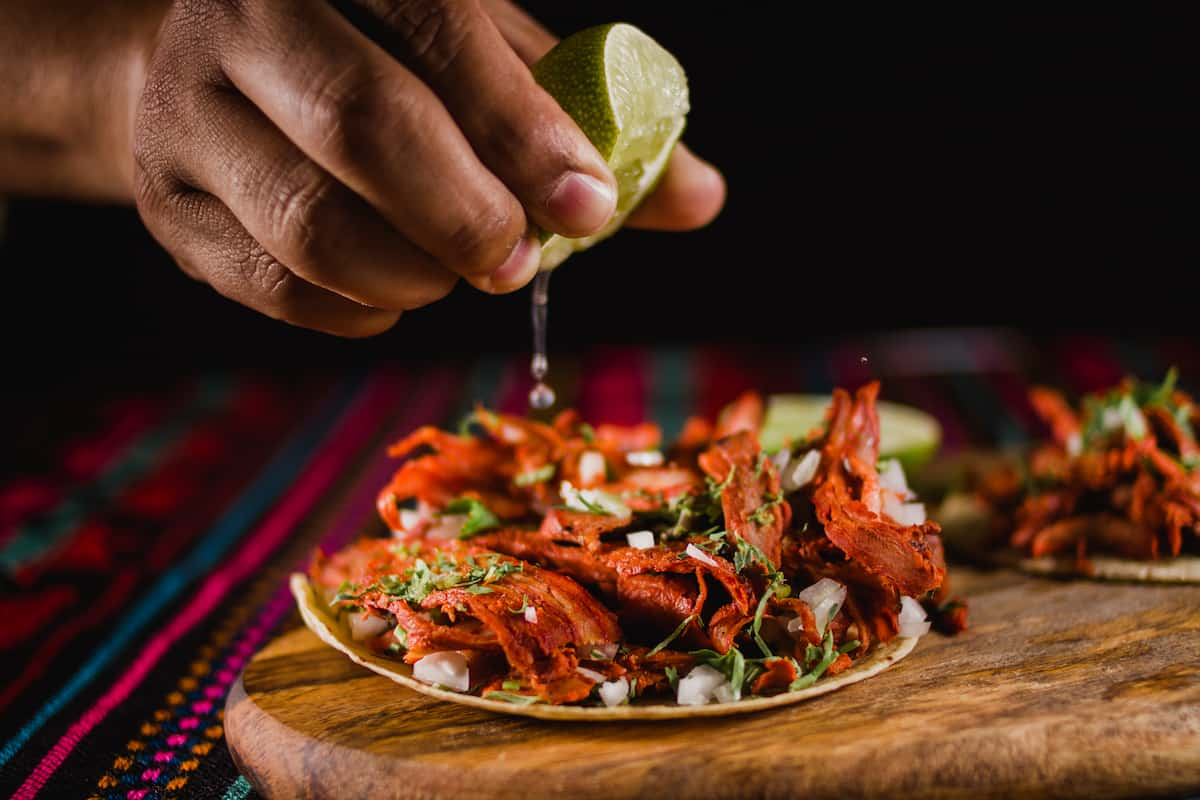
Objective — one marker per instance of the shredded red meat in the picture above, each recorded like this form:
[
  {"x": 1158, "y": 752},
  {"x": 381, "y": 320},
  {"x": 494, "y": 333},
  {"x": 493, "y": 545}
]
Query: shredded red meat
[
  {"x": 846, "y": 502},
  {"x": 1119, "y": 476},
  {"x": 566, "y": 573},
  {"x": 752, "y": 499}
]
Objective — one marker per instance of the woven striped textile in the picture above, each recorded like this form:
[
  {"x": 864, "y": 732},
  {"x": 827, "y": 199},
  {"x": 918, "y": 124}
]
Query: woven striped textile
[{"x": 143, "y": 556}]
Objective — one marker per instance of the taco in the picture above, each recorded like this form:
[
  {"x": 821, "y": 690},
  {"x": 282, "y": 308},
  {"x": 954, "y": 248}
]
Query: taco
[
  {"x": 570, "y": 572},
  {"x": 1114, "y": 493}
]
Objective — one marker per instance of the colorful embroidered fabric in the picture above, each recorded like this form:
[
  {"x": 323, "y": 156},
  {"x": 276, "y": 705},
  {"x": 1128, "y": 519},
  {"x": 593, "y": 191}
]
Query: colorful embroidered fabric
[{"x": 143, "y": 553}]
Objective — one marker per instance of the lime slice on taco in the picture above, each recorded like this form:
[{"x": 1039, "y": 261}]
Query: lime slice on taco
[{"x": 906, "y": 433}]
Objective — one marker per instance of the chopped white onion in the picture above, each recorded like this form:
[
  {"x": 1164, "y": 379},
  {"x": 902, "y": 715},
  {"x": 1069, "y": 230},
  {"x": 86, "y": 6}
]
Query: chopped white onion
[
  {"x": 698, "y": 686},
  {"x": 592, "y": 468},
  {"x": 614, "y": 693},
  {"x": 531, "y": 615},
  {"x": 892, "y": 478},
  {"x": 640, "y": 540},
  {"x": 512, "y": 434},
  {"x": 781, "y": 459},
  {"x": 591, "y": 674},
  {"x": 1126, "y": 415},
  {"x": 903, "y": 513},
  {"x": 699, "y": 555},
  {"x": 644, "y": 458},
  {"x": 365, "y": 625},
  {"x": 913, "y": 620},
  {"x": 724, "y": 693},
  {"x": 414, "y": 520},
  {"x": 800, "y": 472},
  {"x": 1075, "y": 444},
  {"x": 588, "y": 500},
  {"x": 824, "y": 597},
  {"x": 446, "y": 527},
  {"x": 604, "y": 651},
  {"x": 795, "y": 627},
  {"x": 448, "y": 669}
]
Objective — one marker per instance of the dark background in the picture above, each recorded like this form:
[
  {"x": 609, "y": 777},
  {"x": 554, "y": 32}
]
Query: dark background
[{"x": 885, "y": 170}]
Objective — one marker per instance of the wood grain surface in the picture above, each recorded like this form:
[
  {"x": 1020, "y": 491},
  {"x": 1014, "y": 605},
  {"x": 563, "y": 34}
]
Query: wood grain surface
[{"x": 1060, "y": 688}]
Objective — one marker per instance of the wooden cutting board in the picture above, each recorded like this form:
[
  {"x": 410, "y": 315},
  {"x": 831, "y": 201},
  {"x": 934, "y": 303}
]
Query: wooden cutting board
[{"x": 1064, "y": 689}]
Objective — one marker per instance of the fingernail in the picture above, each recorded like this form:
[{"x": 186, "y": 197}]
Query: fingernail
[
  {"x": 581, "y": 204},
  {"x": 518, "y": 269}
]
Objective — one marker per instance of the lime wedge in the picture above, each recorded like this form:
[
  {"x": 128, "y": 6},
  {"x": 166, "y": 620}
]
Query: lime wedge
[
  {"x": 630, "y": 97},
  {"x": 906, "y": 433}
]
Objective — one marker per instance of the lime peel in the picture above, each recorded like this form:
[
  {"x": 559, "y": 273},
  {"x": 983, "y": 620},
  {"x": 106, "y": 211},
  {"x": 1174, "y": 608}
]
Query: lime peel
[
  {"x": 905, "y": 433},
  {"x": 630, "y": 98}
]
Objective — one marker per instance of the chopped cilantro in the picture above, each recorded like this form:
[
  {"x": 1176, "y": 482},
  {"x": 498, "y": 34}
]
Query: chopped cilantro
[
  {"x": 732, "y": 665},
  {"x": 672, "y": 678},
  {"x": 420, "y": 580},
  {"x": 763, "y": 515},
  {"x": 592, "y": 508},
  {"x": 748, "y": 554},
  {"x": 479, "y": 517},
  {"x": 715, "y": 490},
  {"x": 823, "y": 656},
  {"x": 587, "y": 432},
  {"x": 674, "y": 635},
  {"x": 344, "y": 592},
  {"x": 591, "y": 501},
  {"x": 405, "y": 549},
  {"x": 515, "y": 699},
  {"x": 777, "y": 588},
  {"x": 708, "y": 545},
  {"x": 465, "y": 424},
  {"x": 401, "y": 636},
  {"x": 539, "y": 475},
  {"x": 1161, "y": 394},
  {"x": 1132, "y": 418},
  {"x": 524, "y": 605},
  {"x": 1164, "y": 395},
  {"x": 511, "y": 686}
]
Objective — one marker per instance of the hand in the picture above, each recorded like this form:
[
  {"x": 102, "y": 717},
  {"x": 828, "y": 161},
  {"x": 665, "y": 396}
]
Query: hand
[{"x": 335, "y": 180}]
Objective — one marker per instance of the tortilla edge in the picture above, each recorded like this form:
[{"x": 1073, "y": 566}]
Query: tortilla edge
[
  {"x": 1183, "y": 569},
  {"x": 330, "y": 632}
]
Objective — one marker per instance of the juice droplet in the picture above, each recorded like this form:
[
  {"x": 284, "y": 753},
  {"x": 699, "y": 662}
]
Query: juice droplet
[
  {"x": 862, "y": 360},
  {"x": 541, "y": 396},
  {"x": 538, "y": 366}
]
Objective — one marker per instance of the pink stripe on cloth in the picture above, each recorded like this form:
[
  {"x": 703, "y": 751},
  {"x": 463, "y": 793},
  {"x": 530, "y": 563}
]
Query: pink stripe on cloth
[
  {"x": 512, "y": 396},
  {"x": 352, "y": 431},
  {"x": 722, "y": 375},
  {"x": 1088, "y": 363},
  {"x": 613, "y": 387},
  {"x": 432, "y": 397},
  {"x": 24, "y": 498}
]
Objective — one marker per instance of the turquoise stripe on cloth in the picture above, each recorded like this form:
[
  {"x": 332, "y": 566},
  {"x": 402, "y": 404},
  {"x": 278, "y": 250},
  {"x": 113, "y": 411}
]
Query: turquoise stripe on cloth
[
  {"x": 672, "y": 390},
  {"x": 238, "y": 790},
  {"x": 273, "y": 480}
]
